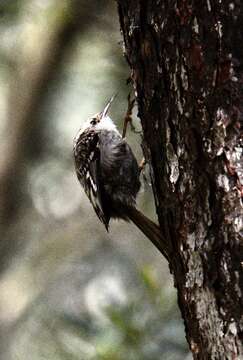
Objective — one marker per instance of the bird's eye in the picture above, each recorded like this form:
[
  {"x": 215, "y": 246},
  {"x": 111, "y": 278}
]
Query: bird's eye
[{"x": 93, "y": 121}]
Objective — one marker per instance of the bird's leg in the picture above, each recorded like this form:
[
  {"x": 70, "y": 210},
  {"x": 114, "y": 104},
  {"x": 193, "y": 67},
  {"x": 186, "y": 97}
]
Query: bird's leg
[
  {"x": 141, "y": 165},
  {"x": 142, "y": 172},
  {"x": 128, "y": 119},
  {"x": 128, "y": 116}
]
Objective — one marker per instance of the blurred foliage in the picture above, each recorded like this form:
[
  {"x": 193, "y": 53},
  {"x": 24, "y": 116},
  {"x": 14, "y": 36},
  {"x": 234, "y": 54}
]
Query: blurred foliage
[
  {"x": 9, "y": 9},
  {"x": 146, "y": 326},
  {"x": 139, "y": 325}
]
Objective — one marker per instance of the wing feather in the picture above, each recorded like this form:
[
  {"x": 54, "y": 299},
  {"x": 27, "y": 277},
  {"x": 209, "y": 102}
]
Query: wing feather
[{"x": 87, "y": 158}]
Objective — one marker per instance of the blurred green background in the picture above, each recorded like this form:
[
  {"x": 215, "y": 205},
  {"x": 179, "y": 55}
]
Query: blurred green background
[{"x": 68, "y": 289}]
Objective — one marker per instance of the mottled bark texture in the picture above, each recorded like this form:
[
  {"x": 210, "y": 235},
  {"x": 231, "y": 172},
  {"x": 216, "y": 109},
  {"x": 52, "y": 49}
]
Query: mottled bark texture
[{"x": 186, "y": 60}]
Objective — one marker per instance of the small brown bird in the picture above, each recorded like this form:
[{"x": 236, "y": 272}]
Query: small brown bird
[{"x": 109, "y": 173}]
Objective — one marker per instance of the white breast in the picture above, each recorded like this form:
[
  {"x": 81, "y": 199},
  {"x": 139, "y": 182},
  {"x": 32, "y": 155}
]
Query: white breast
[{"x": 106, "y": 124}]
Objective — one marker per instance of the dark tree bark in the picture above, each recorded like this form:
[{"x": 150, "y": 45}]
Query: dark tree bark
[{"x": 186, "y": 60}]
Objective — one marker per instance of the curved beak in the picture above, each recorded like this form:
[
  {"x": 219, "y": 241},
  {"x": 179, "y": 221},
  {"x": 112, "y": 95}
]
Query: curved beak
[{"x": 107, "y": 107}]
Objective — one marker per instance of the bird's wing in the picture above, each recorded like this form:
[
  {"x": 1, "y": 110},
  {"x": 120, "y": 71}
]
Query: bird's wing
[{"x": 87, "y": 158}]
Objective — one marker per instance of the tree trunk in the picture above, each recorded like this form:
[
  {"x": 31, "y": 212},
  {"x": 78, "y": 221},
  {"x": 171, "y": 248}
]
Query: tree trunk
[{"x": 186, "y": 60}]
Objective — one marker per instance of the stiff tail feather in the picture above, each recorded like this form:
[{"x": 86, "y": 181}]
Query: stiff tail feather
[{"x": 150, "y": 229}]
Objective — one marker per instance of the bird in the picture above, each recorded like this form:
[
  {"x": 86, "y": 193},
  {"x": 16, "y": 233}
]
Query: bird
[{"x": 109, "y": 173}]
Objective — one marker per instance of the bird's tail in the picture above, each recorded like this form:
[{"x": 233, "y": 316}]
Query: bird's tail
[{"x": 150, "y": 229}]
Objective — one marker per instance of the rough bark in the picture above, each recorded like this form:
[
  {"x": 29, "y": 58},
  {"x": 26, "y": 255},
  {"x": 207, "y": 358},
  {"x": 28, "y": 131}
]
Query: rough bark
[{"x": 186, "y": 60}]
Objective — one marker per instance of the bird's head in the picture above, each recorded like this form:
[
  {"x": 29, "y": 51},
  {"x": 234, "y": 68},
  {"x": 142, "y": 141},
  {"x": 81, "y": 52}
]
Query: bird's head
[{"x": 100, "y": 121}]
